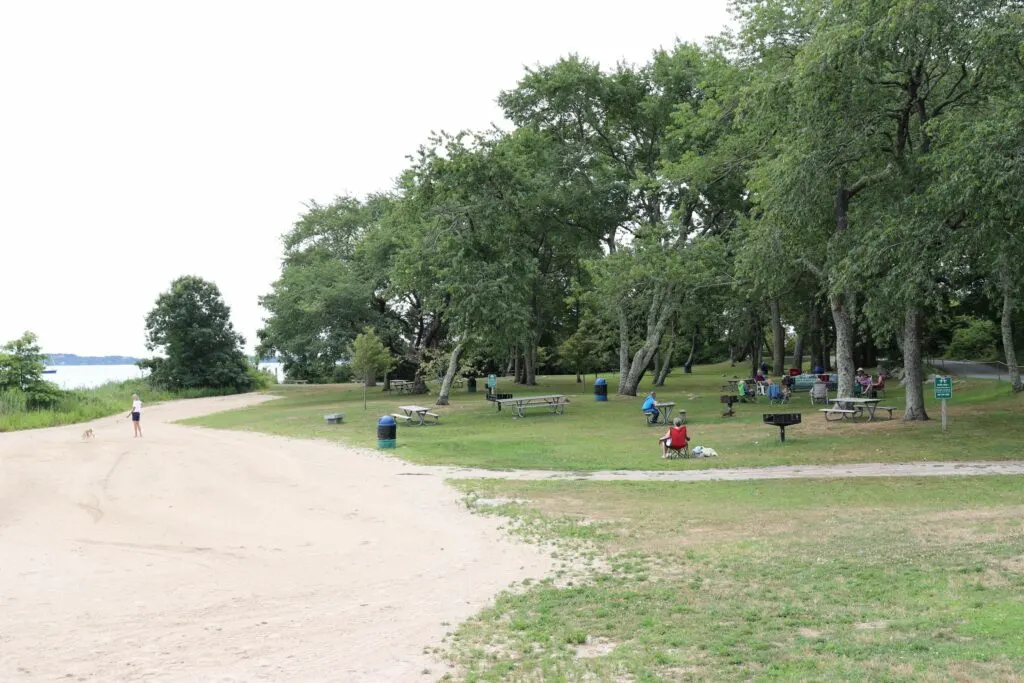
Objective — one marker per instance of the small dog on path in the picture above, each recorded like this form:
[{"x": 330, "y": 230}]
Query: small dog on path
[{"x": 87, "y": 434}]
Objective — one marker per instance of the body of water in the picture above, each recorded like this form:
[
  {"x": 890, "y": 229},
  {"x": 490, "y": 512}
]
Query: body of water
[{"x": 88, "y": 376}]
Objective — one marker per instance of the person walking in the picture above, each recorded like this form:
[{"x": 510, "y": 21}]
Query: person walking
[{"x": 136, "y": 416}]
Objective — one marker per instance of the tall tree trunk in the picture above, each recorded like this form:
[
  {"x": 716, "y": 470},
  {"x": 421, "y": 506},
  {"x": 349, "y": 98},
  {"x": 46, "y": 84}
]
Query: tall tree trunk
[
  {"x": 516, "y": 365},
  {"x": 814, "y": 330},
  {"x": 419, "y": 383},
  {"x": 844, "y": 343},
  {"x": 510, "y": 366},
  {"x": 623, "y": 343},
  {"x": 446, "y": 384},
  {"x": 798, "y": 352},
  {"x": 659, "y": 313},
  {"x": 666, "y": 363},
  {"x": 912, "y": 379},
  {"x": 1007, "y": 327},
  {"x": 531, "y": 365},
  {"x": 778, "y": 339},
  {"x": 688, "y": 365},
  {"x": 755, "y": 355},
  {"x": 657, "y": 366}
]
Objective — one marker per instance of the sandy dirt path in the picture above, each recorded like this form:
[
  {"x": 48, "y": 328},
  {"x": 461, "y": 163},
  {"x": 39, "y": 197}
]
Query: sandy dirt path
[
  {"x": 913, "y": 469},
  {"x": 205, "y": 555}
]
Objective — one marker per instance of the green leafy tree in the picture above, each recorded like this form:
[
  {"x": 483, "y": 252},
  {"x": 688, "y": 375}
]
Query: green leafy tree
[
  {"x": 21, "y": 370},
  {"x": 369, "y": 357},
  {"x": 191, "y": 326},
  {"x": 21, "y": 363}
]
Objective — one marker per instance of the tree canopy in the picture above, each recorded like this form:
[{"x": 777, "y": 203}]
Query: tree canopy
[
  {"x": 836, "y": 178},
  {"x": 191, "y": 326}
]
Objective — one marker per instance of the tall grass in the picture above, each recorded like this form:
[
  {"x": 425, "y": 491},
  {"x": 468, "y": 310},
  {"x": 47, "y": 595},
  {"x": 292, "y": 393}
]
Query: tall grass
[{"x": 82, "y": 405}]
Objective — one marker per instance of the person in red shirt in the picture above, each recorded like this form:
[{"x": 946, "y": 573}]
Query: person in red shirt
[{"x": 675, "y": 437}]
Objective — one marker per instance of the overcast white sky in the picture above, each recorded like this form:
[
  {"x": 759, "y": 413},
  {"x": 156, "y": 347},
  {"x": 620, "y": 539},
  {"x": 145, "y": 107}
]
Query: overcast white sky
[{"x": 140, "y": 141}]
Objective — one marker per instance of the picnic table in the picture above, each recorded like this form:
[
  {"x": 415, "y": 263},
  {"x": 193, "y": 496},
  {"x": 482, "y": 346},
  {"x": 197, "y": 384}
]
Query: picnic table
[
  {"x": 849, "y": 407},
  {"x": 553, "y": 402},
  {"x": 663, "y": 410},
  {"x": 402, "y": 386},
  {"x": 418, "y": 412}
]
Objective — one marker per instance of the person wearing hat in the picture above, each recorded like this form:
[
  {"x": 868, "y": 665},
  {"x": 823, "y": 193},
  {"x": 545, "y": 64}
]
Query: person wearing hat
[{"x": 864, "y": 379}]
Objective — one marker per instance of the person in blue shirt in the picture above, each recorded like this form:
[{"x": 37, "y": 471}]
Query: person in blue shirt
[{"x": 648, "y": 406}]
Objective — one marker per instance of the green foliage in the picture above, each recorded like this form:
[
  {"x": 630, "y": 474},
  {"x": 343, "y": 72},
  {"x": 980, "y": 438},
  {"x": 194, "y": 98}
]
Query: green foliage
[
  {"x": 82, "y": 405},
  {"x": 21, "y": 363},
  {"x": 191, "y": 326},
  {"x": 370, "y": 359},
  {"x": 261, "y": 380},
  {"x": 974, "y": 339},
  {"x": 21, "y": 374}
]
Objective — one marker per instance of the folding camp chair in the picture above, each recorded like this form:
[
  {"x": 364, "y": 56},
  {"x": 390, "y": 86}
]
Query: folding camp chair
[
  {"x": 776, "y": 395},
  {"x": 819, "y": 393}
]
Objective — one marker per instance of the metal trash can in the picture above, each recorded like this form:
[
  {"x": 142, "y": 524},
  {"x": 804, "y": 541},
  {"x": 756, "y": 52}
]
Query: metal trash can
[
  {"x": 601, "y": 389},
  {"x": 386, "y": 432},
  {"x": 471, "y": 385}
]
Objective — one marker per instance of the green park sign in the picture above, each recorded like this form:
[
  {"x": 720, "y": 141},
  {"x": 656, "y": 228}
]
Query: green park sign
[{"x": 943, "y": 387}]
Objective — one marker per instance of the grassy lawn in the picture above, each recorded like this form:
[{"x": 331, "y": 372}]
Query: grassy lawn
[
  {"x": 868, "y": 579},
  {"x": 984, "y": 422}
]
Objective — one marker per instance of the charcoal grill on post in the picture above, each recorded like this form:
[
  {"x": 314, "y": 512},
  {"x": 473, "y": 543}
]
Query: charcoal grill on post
[
  {"x": 781, "y": 420},
  {"x": 729, "y": 401}
]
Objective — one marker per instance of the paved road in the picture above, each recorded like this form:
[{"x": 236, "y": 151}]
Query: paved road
[{"x": 966, "y": 368}]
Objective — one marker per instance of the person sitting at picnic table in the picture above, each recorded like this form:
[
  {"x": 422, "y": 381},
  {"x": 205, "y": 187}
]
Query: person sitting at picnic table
[
  {"x": 648, "y": 407},
  {"x": 879, "y": 385},
  {"x": 864, "y": 380},
  {"x": 675, "y": 437}
]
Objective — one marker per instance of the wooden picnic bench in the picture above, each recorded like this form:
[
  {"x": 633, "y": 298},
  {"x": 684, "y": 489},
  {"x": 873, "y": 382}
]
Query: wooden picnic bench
[
  {"x": 841, "y": 412},
  {"x": 555, "y": 403},
  {"x": 418, "y": 412}
]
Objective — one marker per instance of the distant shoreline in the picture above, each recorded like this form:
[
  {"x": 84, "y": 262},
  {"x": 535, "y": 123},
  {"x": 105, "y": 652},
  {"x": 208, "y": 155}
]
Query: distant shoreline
[{"x": 59, "y": 359}]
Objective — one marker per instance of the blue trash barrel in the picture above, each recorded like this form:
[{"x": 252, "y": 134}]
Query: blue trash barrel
[
  {"x": 386, "y": 432},
  {"x": 600, "y": 389}
]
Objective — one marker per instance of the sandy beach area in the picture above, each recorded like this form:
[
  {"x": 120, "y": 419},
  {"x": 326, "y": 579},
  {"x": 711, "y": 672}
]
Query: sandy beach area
[{"x": 206, "y": 555}]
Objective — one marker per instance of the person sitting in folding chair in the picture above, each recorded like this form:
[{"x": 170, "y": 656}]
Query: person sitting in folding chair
[
  {"x": 776, "y": 394},
  {"x": 675, "y": 440},
  {"x": 819, "y": 393},
  {"x": 649, "y": 409},
  {"x": 747, "y": 392},
  {"x": 787, "y": 386}
]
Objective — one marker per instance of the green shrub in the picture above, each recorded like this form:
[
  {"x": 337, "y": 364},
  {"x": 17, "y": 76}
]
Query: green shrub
[
  {"x": 974, "y": 339},
  {"x": 261, "y": 379}
]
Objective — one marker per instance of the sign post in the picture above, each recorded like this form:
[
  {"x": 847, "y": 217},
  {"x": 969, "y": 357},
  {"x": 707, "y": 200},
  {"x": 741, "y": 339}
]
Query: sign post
[{"x": 943, "y": 391}]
